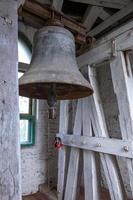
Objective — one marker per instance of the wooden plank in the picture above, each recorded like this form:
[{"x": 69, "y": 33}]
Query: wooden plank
[
  {"x": 125, "y": 41},
  {"x": 57, "y": 4},
  {"x": 91, "y": 16},
  {"x": 72, "y": 175},
  {"x": 63, "y": 128},
  {"x": 96, "y": 55},
  {"x": 10, "y": 184},
  {"x": 89, "y": 167},
  {"x": 103, "y": 49},
  {"x": 23, "y": 66},
  {"x": 104, "y": 3},
  {"x": 110, "y": 21},
  {"x": 117, "y": 32},
  {"x": 48, "y": 2},
  {"x": 100, "y": 130},
  {"x": 118, "y": 147},
  {"x": 123, "y": 82},
  {"x": 36, "y": 196},
  {"x": 104, "y": 14}
]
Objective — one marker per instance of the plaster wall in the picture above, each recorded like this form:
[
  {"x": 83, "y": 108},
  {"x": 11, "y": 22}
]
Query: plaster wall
[
  {"x": 34, "y": 159},
  {"x": 39, "y": 162}
]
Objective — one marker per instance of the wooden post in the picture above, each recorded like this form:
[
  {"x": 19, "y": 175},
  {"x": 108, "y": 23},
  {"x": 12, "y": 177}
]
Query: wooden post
[
  {"x": 123, "y": 83},
  {"x": 63, "y": 128},
  {"x": 73, "y": 167},
  {"x": 90, "y": 171},
  {"x": 9, "y": 113},
  {"x": 100, "y": 130}
]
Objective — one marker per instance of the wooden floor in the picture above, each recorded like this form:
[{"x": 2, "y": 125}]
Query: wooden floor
[{"x": 37, "y": 196}]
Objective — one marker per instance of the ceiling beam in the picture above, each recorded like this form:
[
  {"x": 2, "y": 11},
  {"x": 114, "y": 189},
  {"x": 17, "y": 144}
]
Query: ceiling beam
[
  {"x": 111, "y": 20},
  {"x": 104, "y": 14},
  {"x": 57, "y": 4},
  {"x": 38, "y": 15},
  {"x": 44, "y": 1},
  {"x": 91, "y": 16},
  {"x": 23, "y": 67},
  {"x": 103, "y": 3}
]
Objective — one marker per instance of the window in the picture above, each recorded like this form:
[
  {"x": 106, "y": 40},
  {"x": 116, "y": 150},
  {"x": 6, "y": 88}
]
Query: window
[{"x": 27, "y": 107}]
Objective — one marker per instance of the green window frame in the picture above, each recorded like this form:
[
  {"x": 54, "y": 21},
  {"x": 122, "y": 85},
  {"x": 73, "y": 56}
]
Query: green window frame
[{"x": 31, "y": 118}]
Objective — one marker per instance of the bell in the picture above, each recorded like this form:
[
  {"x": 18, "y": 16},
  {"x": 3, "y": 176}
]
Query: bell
[{"x": 53, "y": 73}]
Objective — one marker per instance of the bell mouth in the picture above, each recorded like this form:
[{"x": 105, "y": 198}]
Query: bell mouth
[{"x": 63, "y": 91}]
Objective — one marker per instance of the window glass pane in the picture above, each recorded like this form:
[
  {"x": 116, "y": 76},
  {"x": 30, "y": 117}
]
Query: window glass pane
[
  {"x": 20, "y": 74},
  {"x": 23, "y": 101},
  {"x": 24, "y": 132},
  {"x": 26, "y": 123},
  {"x": 23, "y": 105},
  {"x": 24, "y": 54}
]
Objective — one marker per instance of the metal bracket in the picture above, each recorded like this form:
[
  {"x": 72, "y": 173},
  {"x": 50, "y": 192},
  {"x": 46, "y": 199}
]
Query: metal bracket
[{"x": 113, "y": 48}]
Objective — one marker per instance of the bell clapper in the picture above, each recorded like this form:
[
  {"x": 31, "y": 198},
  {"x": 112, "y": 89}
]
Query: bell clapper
[{"x": 52, "y": 101}]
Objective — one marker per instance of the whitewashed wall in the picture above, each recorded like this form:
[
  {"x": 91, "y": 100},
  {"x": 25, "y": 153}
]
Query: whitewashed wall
[
  {"x": 34, "y": 159},
  {"x": 38, "y": 163}
]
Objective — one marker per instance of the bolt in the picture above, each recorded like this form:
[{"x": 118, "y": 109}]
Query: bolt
[
  {"x": 126, "y": 148},
  {"x": 98, "y": 145},
  {"x": 83, "y": 142},
  {"x": 72, "y": 141}
]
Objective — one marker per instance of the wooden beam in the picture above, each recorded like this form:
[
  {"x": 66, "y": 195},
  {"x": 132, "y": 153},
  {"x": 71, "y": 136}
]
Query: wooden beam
[
  {"x": 44, "y": 1},
  {"x": 104, "y": 14},
  {"x": 122, "y": 79},
  {"x": 110, "y": 21},
  {"x": 125, "y": 41},
  {"x": 104, "y": 3},
  {"x": 117, "y": 32},
  {"x": 57, "y": 4},
  {"x": 118, "y": 147},
  {"x": 63, "y": 127},
  {"x": 91, "y": 183},
  {"x": 96, "y": 55},
  {"x": 23, "y": 67},
  {"x": 73, "y": 167},
  {"x": 10, "y": 177},
  {"x": 100, "y": 130},
  {"x": 103, "y": 49},
  {"x": 43, "y": 13},
  {"x": 91, "y": 15}
]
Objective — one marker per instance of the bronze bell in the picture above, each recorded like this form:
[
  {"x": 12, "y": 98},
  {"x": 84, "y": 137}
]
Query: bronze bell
[{"x": 53, "y": 72}]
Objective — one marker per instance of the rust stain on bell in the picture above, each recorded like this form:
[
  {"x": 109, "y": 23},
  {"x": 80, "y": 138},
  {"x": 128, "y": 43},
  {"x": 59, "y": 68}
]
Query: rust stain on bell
[{"x": 54, "y": 65}]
